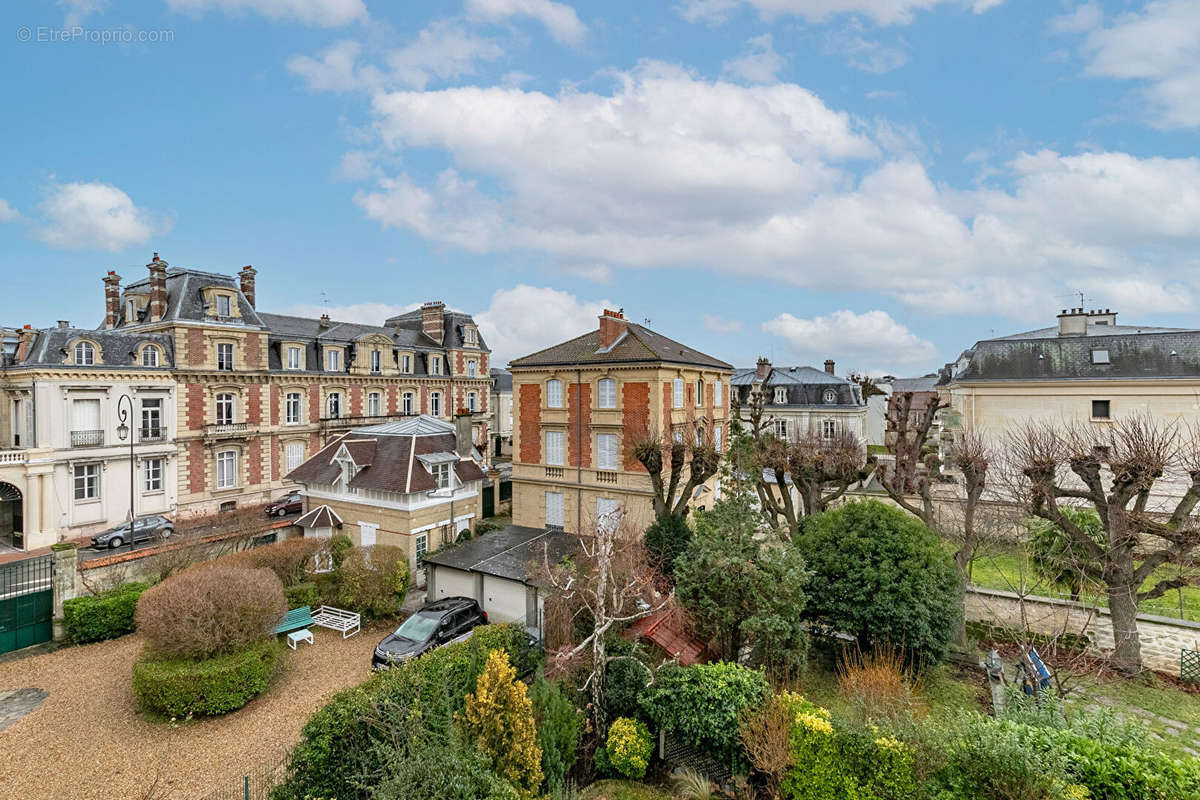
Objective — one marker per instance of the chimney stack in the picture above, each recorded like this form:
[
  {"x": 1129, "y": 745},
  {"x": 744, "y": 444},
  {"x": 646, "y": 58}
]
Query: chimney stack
[
  {"x": 1073, "y": 322},
  {"x": 612, "y": 327},
  {"x": 25, "y": 342},
  {"x": 64, "y": 323},
  {"x": 763, "y": 369},
  {"x": 112, "y": 299},
  {"x": 158, "y": 289},
  {"x": 463, "y": 440},
  {"x": 432, "y": 324},
  {"x": 247, "y": 277},
  {"x": 829, "y": 366}
]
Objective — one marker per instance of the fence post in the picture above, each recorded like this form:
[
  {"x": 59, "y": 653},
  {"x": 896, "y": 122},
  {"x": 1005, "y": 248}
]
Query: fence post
[
  {"x": 246, "y": 784},
  {"x": 65, "y": 582}
]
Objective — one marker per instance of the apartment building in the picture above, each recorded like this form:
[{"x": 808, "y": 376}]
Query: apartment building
[
  {"x": 579, "y": 408},
  {"x": 501, "y": 410},
  {"x": 798, "y": 401}
]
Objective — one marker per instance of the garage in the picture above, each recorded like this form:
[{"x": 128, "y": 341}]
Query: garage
[
  {"x": 504, "y": 600},
  {"x": 451, "y": 582}
]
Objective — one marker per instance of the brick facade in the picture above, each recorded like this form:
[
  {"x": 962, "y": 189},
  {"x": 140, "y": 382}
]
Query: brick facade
[
  {"x": 574, "y": 409},
  {"x": 635, "y": 400},
  {"x": 529, "y": 422}
]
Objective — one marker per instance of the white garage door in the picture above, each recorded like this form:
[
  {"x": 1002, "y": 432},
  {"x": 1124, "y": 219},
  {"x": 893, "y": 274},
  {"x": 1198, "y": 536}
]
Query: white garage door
[
  {"x": 503, "y": 600},
  {"x": 450, "y": 582}
]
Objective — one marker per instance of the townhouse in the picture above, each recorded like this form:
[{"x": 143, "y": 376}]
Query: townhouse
[{"x": 799, "y": 401}]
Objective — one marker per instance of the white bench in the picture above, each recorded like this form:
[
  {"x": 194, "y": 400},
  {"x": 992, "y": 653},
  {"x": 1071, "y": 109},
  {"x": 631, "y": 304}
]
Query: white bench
[
  {"x": 295, "y": 637},
  {"x": 338, "y": 619}
]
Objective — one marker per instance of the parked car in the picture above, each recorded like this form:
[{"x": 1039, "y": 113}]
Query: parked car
[
  {"x": 145, "y": 529},
  {"x": 288, "y": 504},
  {"x": 440, "y": 622}
]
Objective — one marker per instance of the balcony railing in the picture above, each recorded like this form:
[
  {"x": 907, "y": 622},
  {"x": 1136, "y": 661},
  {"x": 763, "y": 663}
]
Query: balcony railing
[
  {"x": 355, "y": 422},
  {"x": 87, "y": 438},
  {"x": 228, "y": 430},
  {"x": 152, "y": 434},
  {"x": 606, "y": 477},
  {"x": 554, "y": 472},
  {"x": 12, "y": 456}
]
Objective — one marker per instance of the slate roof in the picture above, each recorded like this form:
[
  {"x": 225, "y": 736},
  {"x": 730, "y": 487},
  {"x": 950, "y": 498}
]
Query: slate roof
[
  {"x": 926, "y": 383},
  {"x": 117, "y": 348},
  {"x": 805, "y": 386},
  {"x": 185, "y": 301},
  {"x": 320, "y": 517},
  {"x": 453, "y": 323},
  {"x": 1133, "y": 352},
  {"x": 501, "y": 380},
  {"x": 638, "y": 344},
  {"x": 508, "y": 553}
]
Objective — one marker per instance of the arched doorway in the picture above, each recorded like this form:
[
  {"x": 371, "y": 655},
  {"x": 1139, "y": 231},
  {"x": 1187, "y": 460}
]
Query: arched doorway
[{"x": 12, "y": 531}]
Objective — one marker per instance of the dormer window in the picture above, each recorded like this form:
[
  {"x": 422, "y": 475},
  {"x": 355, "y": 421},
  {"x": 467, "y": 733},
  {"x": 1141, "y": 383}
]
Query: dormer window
[
  {"x": 376, "y": 361},
  {"x": 406, "y": 364},
  {"x": 780, "y": 395},
  {"x": 830, "y": 396},
  {"x": 469, "y": 334},
  {"x": 149, "y": 356},
  {"x": 131, "y": 312},
  {"x": 333, "y": 360},
  {"x": 293, "y": 358},
  {"x": 85, "y": 353},
  {"x": 441, "y": 474},
  {"x": 223, "y": 305},
  {"x": 435, "y": 365}
]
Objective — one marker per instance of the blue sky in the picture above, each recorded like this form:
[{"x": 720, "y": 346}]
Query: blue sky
[{"x": 881, "y": 182}]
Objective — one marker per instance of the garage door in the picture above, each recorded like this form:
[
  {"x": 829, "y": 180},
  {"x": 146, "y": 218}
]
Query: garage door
[
  {"x": 450, "y": 582},
  {"x": 504, "y": 600}
]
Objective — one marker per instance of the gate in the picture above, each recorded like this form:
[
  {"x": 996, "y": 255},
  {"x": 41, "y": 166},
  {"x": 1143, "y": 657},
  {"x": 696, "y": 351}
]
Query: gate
[
  {"x": 26, "y": 603},
  {"x": 489, "y": 500}
]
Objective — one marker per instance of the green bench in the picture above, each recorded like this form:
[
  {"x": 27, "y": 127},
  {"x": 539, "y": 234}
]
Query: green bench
[{"x": 295, "y": 619}]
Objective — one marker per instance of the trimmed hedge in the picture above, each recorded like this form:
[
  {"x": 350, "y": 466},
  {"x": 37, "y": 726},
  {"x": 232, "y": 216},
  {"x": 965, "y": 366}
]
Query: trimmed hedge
[
  {"x": 104, "y": 616},
  {"x": 302, "y": 594},
  {"x": 182, "y": 687}
]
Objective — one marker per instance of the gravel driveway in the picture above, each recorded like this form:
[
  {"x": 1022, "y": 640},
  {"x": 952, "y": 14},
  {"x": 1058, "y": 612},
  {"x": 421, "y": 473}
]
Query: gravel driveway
[{"x": 87, "y": 742}]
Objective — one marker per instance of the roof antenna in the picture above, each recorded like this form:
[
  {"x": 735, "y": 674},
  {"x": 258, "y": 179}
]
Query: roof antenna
[{"x": 646, "y": 320}]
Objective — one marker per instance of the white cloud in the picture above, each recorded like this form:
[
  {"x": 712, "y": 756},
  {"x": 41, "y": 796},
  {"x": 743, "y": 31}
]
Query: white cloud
[
  {"x": 1083, "y": 18},
  {"x": 525, "y": 319},
  {"x": 559, "y": 18},
  {"x": 881, "y": 12},
  {"x": 7, "y": 212},
  {"x": 872, "y": 338},
  {"x": 94, "y": 216},
  {"x": 322, "y": 13},
  {"x": 867, "y": 55},
  {"x": 79, "y": 10},
  {"x": 1159, "y": 47},
  {"x": 597, "y": 273},
  {"x": 336, "y": 70},
  {"x": 720, "y": 324},
  {"x": 356, "y": 166},
  {"x": 759, "y": 63}
]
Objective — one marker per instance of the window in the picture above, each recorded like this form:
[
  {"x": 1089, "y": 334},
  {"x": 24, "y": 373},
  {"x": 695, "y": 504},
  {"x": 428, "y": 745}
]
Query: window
[
  {"x": 422, "y": 547},
  {"x": 130, "y": 313},
  {"x": 554, "y": 448},
  {"x": 227, "y": 469},
  {"x": 149, "y": 356},
  {"x": 152, "y": 475},
  {"x": 85, "y": 353},
  {"x": 469, "y": 334},
  {"x": 291, "y": 408},
  {"x": 607, "y": 513},
  {"x": 85, "y": 423},
  {"x": 472, "y": 369},
  {"x": 718, "y": 391},
  {"x": 699, "y": 393},
  {"x": 333, "y": 360},
  {"x": 1100, "y": 357},
  {"x": 554, "y": 509},
  {"x": 779, "y": 428},
  {"x": 152, "y": 419},
  {"x": 293, "y": 455},
  {"x": 441, "y": 475},
  {"x": 333, "y": 405},
  {"x": 376, "y": 361},
  {"x": 225, "y": 356},
  {"x": 830, "y": 396},
  {"x": 293, "y": 358},
  {"x": 554, "y": 393},
  {"x": 471, "y": 402},
  {"x": 677, "y": 436},
  {"x": 1101, "y": 409},
  {"x": 222, "y": 305},
  {"x": 717, "y": 436},
  {"x": 374, "y": 404},
  {"x": 87, "y": 481},
  {"x": 677, "y": 399},
  {"x": 781, "y": 395},
  {"x": 699, "y": 436},
  {"x": 225, "y": 407},
  {"x": 828, "y": 428},
  {"x": 435, "y": 365},
  {"x": 607, "y": 393},
  {"x": 406, "y": 403},
  {"x": 435, "y": 403},
  {"x": 406, "y": 363},
  {"x": 606, "y": 451}
]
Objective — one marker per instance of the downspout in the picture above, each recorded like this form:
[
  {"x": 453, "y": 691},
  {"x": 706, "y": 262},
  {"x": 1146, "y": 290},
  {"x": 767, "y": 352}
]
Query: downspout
[{"x": 579, "y": 450}]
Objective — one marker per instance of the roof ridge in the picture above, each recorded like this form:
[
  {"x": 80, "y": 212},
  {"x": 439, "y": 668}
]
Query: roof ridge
[{"x": 553, "y": 346}]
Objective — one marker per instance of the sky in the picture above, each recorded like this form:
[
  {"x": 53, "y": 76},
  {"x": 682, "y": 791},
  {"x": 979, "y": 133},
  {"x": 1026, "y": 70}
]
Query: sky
[{"x": 880, "y": 182}]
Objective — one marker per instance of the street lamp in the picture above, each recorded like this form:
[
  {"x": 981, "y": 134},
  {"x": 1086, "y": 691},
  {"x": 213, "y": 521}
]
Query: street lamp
[{"x": 124, "y": 414}]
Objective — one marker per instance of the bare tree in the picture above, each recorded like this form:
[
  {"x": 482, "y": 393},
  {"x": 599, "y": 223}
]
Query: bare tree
[
  {"x": 609, "y": 582},
  {"x": 1115, "y": 470},
  {"x": 676, "y": 465},
  {"x": 909, "y": 420}
]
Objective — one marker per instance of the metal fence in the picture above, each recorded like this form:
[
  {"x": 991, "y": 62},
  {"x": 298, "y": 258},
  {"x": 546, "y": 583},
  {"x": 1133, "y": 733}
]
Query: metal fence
[
  {"x": 27, "y": 576},
  {"x": 256, "y": 784},
  {"x": 1189, "y": 665}
]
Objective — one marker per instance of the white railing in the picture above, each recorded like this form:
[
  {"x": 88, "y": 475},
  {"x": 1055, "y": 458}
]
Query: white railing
[{"x": 12, "y": 456}]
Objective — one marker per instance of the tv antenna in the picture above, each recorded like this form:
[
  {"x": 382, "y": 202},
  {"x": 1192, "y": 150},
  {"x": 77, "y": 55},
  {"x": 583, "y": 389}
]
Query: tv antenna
[{"x": 1083, "y": 298}]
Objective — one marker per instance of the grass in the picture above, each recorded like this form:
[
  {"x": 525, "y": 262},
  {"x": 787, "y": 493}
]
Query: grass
[
  {"x": 877, "y": 450},
  {"x": 622, "y": 790}
]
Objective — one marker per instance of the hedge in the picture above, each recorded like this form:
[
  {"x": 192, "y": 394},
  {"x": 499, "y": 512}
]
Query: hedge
[
  {"x": 302, "y": 594},
  {"x": 183, "y": 687},
  {"x": 346, "y": 746},
  {"x": 103, "y": 616}
]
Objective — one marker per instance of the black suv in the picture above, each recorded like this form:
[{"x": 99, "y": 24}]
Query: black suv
[
  {"x": 145, "y": 529},
  {"x": 435, "y": 624}
]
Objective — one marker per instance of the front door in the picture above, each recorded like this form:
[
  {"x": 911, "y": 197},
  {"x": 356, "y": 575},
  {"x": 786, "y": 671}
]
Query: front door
[{"x": 11, "y": 522}]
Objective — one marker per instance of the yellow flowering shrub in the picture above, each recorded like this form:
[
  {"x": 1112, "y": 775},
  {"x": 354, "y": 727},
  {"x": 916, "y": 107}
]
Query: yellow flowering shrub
[
  {"x": 629, "y": 747},
  {"x": 499, "y": 719}
]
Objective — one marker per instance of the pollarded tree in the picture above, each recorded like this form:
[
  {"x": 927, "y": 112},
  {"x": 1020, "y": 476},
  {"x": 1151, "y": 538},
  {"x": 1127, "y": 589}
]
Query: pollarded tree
[
  {"x": 1052, "y": 555},
  {"x": 676, "y": 465},
  {"x": 1117, "y": 470}
]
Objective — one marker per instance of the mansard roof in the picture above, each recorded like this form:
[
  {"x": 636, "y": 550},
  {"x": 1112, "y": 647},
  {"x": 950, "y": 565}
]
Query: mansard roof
[{"x": 118, "y": 348}]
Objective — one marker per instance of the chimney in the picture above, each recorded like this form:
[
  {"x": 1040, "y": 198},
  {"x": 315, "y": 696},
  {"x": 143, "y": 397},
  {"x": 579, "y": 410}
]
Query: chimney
[
  {"x": 158, "y": 289},
  {"x": 829, "y": 366},
  {"x": 247, "y": 277},
  {"x": 63, "y": 323},
  {"x": 612, "y": 327},
  {"x": 24, "y": 342},
  {"x": 431, "y": 320},
  {"x": 1073, "y": 322},
  {"x": 762, "y": 369},
  {"x": 324, "y": 323},
  {"x": 112, "y": 299},
  {"x": 463, "y": 440}
]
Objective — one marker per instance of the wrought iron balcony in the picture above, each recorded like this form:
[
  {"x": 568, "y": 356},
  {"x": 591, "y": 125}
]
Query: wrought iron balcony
[
  {"x": 157, "y": 434},
  {"x": 87, "y": 438}
]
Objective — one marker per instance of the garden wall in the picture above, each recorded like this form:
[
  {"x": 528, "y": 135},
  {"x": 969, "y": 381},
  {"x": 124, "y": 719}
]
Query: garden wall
[{"x": 1162, "y": 637}]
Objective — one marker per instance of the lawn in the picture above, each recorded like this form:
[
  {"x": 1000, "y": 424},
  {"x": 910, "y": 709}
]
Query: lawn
[{"x": 622, "y": 790}]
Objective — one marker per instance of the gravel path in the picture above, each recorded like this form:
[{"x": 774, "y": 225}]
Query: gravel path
[{"x": 87, "y": 742}]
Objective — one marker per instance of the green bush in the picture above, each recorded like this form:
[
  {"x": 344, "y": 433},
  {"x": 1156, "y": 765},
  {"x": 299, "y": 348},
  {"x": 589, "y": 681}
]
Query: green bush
[
  {"x": 628, "y": 748},
  {"x": 183, "y": 687},
  {"x": 881, "y": 575},
  {"x": 302, "y": 594},
  {"x": 347, "y": 745},
  {"x": 438, "y": 771},
  {"x": 373, "y": 580},
  {"x": 338, "y": 546},
  {"x": 104, "y": 616},
  {"x": 559, "y": 725},
  {"x": 625, "y": 678},
  {"x": 666, "y": 539},
  {"x": 700, "y": 705}
]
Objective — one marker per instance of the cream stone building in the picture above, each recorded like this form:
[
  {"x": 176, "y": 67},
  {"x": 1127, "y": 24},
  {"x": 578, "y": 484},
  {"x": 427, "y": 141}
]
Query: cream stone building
[
  {"x": 414, "y": 484},
  {"x": 797, "y": 401},
  {"x": 579, "y": 408}
]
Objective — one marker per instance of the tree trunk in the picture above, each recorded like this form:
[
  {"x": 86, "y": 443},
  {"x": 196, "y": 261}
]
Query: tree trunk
[
  {"x": 962, "y": 560},
  {"x": 1122, "y": 605}
]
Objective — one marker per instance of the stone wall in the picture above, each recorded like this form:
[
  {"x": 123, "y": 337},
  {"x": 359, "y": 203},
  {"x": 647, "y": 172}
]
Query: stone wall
[{"x": 1162, "y": 637}]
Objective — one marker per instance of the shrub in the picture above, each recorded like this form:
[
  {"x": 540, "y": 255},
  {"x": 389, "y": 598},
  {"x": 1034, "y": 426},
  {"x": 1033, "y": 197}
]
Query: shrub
[
  {"x": 373, "y": 580},
  {"x": 701, "y": 704},
  {"x": 182, "y": 687},
  {"x": 338, "y": 547},
  {"x": 628, "y": 748},
  {"x": 666, "y": 539},
  {"x": 432, "y": 769},
  {"x": 346, "y": 746},
  {"x": 1055, "y": 558},
  {"x": 877, "y": 685},
  {"x": 765, "y": 733},
  {"x": 302, "y": 594},
  {"x": 559, "y": 725},
  {"x": 104, "y": 616},
  {"x": 291, "y": 559},
  {"x": 201, "y": 613},
  {"x": 882, "y": 576},
  {"x": 625, "y": 678},
  {"x": 498, "y": 717}
]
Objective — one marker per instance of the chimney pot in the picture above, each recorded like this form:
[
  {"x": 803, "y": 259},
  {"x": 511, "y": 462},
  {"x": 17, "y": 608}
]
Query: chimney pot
[
  {"x": 112, "y": 299},
  {"x": 62, "y": 323},
  {"x": 158, "y": 289},
  {"x": 829, "y": 366},
  {"x": 246, "y": 277},
  {"x": 612, "y": 327},
  {"x": 762, "y": 369}
]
